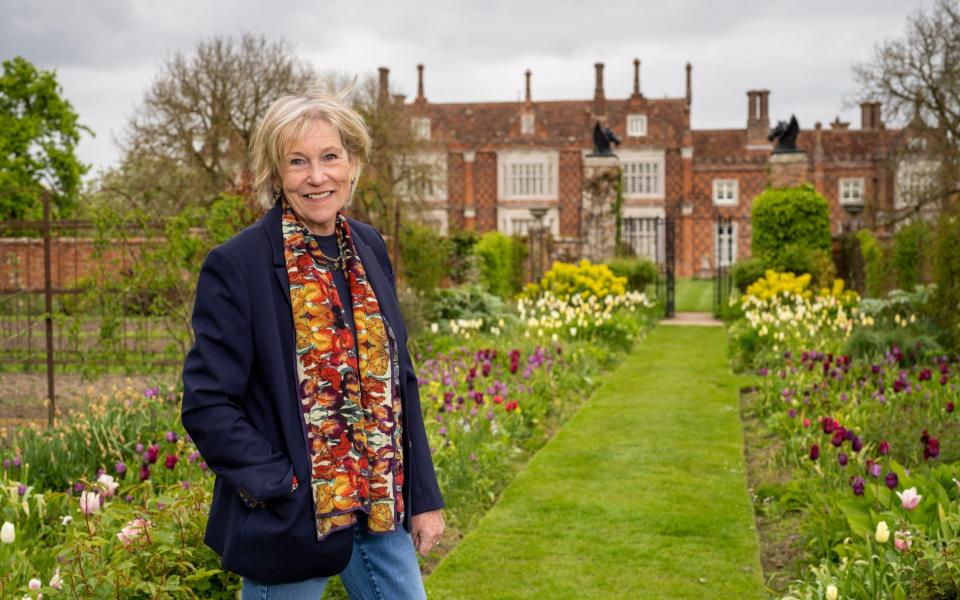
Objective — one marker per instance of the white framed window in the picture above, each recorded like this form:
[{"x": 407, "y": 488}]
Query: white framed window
[
  {"x": 726, "y": 192},
  {"x": 420, "y": 126},
  {"x": 422, "y": 175},
  {"x": 916, "y": 180},
  {"x": 519, "y": 221},
  {"x": 636, "y": 125},
  {"x": 525, "y": 175},
  {"x": 725, "y": 243},
  {"x": 917, "y": 144},
  {"x": 642, "y": 173},
  {"x": 526, "y": 124},
  {"x": 851, "y": 190}
]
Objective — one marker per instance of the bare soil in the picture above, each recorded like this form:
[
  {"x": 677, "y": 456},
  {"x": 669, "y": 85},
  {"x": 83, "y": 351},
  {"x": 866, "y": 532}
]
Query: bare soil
[{"x": 781, "y": 539}]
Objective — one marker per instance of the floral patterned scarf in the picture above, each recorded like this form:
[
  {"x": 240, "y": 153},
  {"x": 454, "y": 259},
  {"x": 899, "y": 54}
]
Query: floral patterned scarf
[{"x": 350, "y": 402}]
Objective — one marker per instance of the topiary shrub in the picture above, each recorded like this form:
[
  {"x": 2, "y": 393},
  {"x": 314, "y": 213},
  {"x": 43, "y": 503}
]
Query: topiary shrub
[
  {"x": 788, "y": 224},
  {"x": 638, "y": 271},
  {"x": 908, "y": 256},
  {"x": 499, "y": 261},
  {"x": 874, "y": 261},
  {"x": 424, "y": 258},
  {"x": 946, "y": 301}
]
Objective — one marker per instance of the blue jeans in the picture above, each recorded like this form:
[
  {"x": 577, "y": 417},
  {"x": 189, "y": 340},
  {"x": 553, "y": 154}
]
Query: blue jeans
[{"x": 383, "y": 566}]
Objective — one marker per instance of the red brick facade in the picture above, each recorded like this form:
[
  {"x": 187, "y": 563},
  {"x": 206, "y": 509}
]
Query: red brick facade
[{"x": 477, "y": 135}]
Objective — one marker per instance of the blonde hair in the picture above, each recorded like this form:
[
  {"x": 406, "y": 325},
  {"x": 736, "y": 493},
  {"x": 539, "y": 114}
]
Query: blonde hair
[{"x": 289, "y": 118}]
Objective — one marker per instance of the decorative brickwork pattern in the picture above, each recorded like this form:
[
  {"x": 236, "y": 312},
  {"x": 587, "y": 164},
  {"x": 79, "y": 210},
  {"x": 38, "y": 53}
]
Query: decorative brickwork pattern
[
  {"x": 456, "y": 190},
  {"x": 485, "y": 191},
  {"x": 570, "y": 189}
]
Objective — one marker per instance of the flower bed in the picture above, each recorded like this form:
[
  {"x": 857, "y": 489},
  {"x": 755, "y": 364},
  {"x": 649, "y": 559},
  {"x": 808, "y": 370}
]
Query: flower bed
[
  {"x": 862, "y": 454},
  {"x": 114, "y": 501}
]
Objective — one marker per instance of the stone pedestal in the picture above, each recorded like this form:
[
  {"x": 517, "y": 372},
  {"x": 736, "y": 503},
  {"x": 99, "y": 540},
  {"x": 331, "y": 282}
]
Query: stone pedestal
[
  {"x": 788, "y": 169},
  {"x": 598, "y": 221}
]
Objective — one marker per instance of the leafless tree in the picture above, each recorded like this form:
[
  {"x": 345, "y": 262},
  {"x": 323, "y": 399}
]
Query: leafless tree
[
  {"x": 917, "y": 78},
  {"x": 197, "y": 118}
]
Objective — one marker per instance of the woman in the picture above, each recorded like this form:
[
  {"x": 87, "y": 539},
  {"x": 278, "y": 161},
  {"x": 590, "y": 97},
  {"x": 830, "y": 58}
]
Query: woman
[{"x": 299, "y": 391}]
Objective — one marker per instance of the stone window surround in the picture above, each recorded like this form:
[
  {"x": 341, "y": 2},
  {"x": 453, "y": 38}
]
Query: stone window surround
[
  {"x": 636, "y": 125},
  {"x": 548, "y": 161},
  {"x": 646, "y": 157},
  {"x": 720, "y": 186}
]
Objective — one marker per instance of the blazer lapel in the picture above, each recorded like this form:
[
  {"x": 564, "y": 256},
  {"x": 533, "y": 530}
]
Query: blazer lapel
[{"x": 272, "y": 226}]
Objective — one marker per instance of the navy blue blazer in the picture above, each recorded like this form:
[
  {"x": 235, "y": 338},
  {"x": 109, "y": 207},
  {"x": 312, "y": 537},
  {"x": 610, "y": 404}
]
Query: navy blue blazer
[{"x": 240, "y": 406}]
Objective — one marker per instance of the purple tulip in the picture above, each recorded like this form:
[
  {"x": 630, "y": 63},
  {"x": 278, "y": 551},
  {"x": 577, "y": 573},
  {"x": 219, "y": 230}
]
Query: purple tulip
[
  {"x": 891, "y": 480},
  {"x": 144, "y": 473},
  {"x": 152, "y": 454},
  {"x": 858, "y": 485},
  {"x": 842, "y": 459},
  {"x": 857, "y": 444},
  {"x": 171, "y": 437},
  {"x": 814, "y": 452},
  {"x": 17, "y": 461},
  {"x": 949, "y": 407},
  {"x": 171, "y": 461},
  {"x": 139, "y": 448},
  {"x": 121, "y": 468},
  {"x": 21, "y": 489},
  {"x": 6, "y": 464},
  {"x": 884, "y": 447}
]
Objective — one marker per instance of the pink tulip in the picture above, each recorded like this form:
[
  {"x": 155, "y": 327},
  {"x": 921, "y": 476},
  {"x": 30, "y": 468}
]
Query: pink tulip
[
  {"x": 901, "y": 541},
  {"x": 909, "y": 498},
  {"x": 89, "y": 502}
]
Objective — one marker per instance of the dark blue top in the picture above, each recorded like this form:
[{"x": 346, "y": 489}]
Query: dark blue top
[{"x": 328, "y": 245}]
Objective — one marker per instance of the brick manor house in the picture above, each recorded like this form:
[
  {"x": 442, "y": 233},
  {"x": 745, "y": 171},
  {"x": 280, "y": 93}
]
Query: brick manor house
[{"x": 497, "y": 160}]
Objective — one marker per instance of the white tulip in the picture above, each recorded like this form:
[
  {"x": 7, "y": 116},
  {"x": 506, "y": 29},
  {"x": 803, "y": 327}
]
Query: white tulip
[{"x": 8, "y": 533}]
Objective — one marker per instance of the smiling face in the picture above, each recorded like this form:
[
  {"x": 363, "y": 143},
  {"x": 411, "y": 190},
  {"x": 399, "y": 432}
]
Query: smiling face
[{"x": 315, "y": 176}]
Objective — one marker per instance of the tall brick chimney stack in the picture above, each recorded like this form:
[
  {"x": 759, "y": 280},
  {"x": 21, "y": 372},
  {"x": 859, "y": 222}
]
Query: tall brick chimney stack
[
  {"x": 527, "y": 96},
  {"x": 753, "y": 109},
  {"x": 383, "y": 93},
  {"x": 420, "y": 96},
  {"x": 689, "y": 84},
  {"x": 758, "y": 117},
  {"x": 636, "y": 77},
  {"x": 765, "y": 108},
  {"x": 599, "y": 101},
  {"x": 870, "y": 117}
]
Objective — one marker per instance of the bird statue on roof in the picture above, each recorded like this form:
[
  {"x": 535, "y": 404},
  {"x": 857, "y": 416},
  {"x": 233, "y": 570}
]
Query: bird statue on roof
[
  {"x": 602, "y": 137},
  {"x": 786, "y": 136}
]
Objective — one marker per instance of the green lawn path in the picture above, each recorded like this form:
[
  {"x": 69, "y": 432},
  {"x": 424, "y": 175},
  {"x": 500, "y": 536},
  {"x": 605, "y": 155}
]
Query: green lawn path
[
  {"x": 693, "y": 295},
  {"x": 642, "y": 494}
]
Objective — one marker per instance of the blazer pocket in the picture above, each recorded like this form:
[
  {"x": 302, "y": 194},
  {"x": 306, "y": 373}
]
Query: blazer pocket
[{"x": 276, "y": 518}]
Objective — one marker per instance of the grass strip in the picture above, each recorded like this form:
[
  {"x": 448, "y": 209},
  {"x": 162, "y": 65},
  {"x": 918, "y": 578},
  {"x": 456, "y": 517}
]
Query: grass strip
[
  {"x": 694, "y": 295},
  {"x": 641, "y": 494}
]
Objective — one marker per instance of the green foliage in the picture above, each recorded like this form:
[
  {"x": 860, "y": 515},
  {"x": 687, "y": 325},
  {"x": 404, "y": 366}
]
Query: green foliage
[
  {"x": 908, "y": 254},
  {"x": 500, "y": 263},
  {"x": 467, "y": 302},
  {"x": 874, "y": 264},
  {"x": 946, "y": 302},
  {"x": 461, "y": 255},
  {"x": 40, "y": 134},
  {"x": 638, "y": 271},
  {"x": 746, "y": 271},
  {"x": 424, "y": 258},
  {"x": 787, "y": 225}
]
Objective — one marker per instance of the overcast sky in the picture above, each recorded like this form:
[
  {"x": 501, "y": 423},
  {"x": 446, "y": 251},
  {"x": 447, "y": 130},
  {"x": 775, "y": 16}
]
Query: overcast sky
[{"x": 106, "y": 52}]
